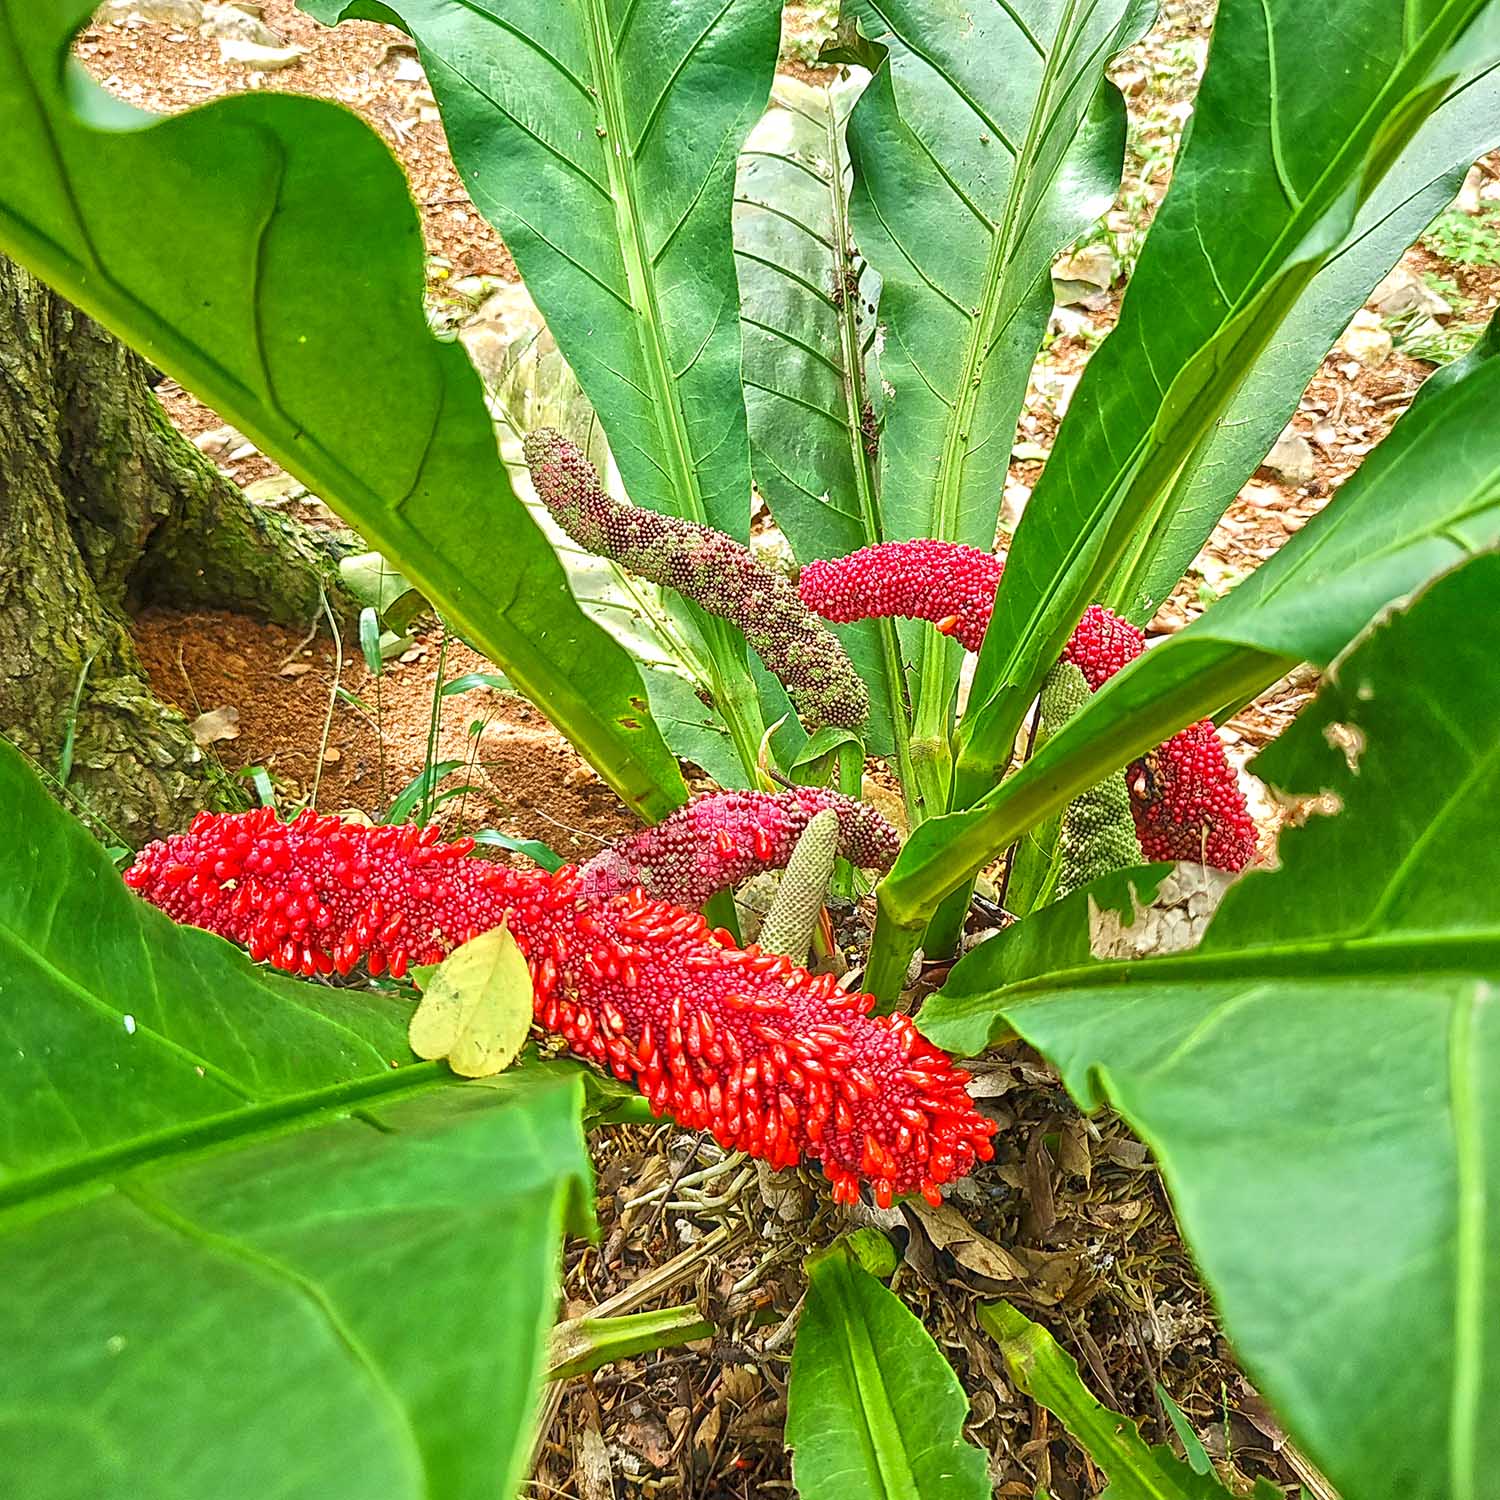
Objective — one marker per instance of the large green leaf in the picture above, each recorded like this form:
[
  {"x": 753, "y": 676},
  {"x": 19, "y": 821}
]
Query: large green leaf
[
  {"x": 599, "y": 137},
  {"x": 874, "y": 1411},
  {"x": 807, "y": 309},
  {"x": 301, "y": 230},
  {"x": 1428, "y": 496},
  {"x": 1293, "y": 130},
  {"x": 247, "y": 1246},
  {"x": 987, "y": 139},
  {"x": 1320, "y": 1078},
  {"x": 1423, "y": 180}
]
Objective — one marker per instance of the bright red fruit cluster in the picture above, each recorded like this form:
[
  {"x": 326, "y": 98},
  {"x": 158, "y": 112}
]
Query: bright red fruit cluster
[
  {"x": 742, "y": 1043},
  {"x": 723, "y": 838},
  {"x": 1185, "y": 797}
]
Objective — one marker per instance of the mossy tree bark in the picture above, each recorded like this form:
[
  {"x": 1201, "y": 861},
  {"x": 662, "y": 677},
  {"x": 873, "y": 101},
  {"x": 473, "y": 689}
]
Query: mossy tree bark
[{"x": 104, "y": 507}]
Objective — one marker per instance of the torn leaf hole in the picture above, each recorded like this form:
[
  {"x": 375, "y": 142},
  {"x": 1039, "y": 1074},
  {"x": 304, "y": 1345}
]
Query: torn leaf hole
[{"x": 1349, "y": 738}]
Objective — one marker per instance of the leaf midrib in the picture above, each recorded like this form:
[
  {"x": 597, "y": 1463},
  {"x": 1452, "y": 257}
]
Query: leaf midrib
[
  {"x": 1459, "y": 954},
  {"x": 38, "y": 1193},
  {"x": 853, "y": 385},
  {"x": 619, "y": 162},
  {"x": 886, "y": 1445}
]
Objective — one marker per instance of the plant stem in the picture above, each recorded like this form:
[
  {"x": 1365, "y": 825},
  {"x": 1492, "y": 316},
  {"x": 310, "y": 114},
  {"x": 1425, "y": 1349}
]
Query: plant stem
[{"x": 429, "y": 780}]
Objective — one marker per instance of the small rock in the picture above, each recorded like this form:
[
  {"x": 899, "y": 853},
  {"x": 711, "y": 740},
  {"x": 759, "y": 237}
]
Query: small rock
[
  {"x": 409, "y": 70},
  {"x": 1403, "y": 291},
  {"x": 295, "y": 669},
  {"x": 1291, "y": 459},
  {"x": 1261, "y": 497},
  {"x": 1468, "y": 194},
  {"x": 218, "y": 441},
  {"x": 275, "y": 489},
  {"x": 1094, "y": 263},
  {"x": 169, "y": 12},
  {"x": 1074, "y": 322},
  {"x": 1366, "y": 340},
  {"x": 1083, "y": 279},
  {"x": 236, "y": 23},
  {"x": 1013, "y": 505},
  {"x": 332, "y": 756},
  {"x": 1428, "y": 328},
  {"x": 261, "y": 59}
]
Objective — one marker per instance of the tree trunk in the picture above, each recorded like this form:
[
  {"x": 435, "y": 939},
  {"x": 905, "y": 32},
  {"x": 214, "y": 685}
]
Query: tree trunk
[{"x": 104, "y": 507}]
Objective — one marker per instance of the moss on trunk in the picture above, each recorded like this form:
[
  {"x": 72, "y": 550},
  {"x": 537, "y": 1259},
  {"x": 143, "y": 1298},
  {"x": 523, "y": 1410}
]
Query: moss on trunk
[{"x": 104, "y": 507}]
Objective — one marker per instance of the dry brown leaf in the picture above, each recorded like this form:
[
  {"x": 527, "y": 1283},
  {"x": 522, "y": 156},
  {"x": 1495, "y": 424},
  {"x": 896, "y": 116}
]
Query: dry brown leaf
[
  {"x": 950, "y": 1231},
  {"x": 217, "y": 724}
]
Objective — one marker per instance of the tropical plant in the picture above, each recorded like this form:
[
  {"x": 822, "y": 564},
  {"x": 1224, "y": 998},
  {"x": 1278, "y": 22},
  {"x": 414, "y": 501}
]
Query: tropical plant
[{"x": 834, "y": 298}]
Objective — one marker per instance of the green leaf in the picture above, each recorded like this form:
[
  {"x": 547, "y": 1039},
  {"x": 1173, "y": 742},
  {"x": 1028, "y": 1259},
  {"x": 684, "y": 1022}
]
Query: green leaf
[
  {"x": 986, "y": 141},
  {"x": 236, "y": 1221},
  {"x": 302, "y": 228},
  {"x": 374, "y": 582},
  {"x": 1425, "y": 498},
  {"x": 982, "y": 147},
  {"x": 1424, "y": 178},
  {"x": 469, "y": 681},
  {"x": 599, "y": 138},
  {"x": 418, "y": 787},
  {"x": 548, "y": 858},
  {"x": 1318, "y": 1077},
  {"x": 807, "y": 313},
  {"x": 873, "y": 1410},
  {"x": 1293, "y": 131},
  {"x": 807, "y": 316},
  {"x": 369, "y": 640},
  {"x": 1192, "y": 1445},
  {"x": 1046, "y": 1372}
]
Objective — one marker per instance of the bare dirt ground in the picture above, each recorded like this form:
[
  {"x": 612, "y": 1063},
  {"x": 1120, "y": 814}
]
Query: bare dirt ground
[{"x": 1072, "y": 1223}]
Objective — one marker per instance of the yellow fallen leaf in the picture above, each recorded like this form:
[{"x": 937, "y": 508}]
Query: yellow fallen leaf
[{"x": 477, "y": 1009}]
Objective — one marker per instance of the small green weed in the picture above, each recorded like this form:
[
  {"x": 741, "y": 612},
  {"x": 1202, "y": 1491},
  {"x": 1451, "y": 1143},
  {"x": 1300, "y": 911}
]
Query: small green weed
[{"x": 1469, "y": 239}]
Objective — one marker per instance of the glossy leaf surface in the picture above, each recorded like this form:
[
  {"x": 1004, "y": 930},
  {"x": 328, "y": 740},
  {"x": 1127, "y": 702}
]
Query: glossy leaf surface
[
  {"x": 247, "y": 1246},
  {"x": 874, "y": 1412},
  {"x": 1294, "y": 129}
]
